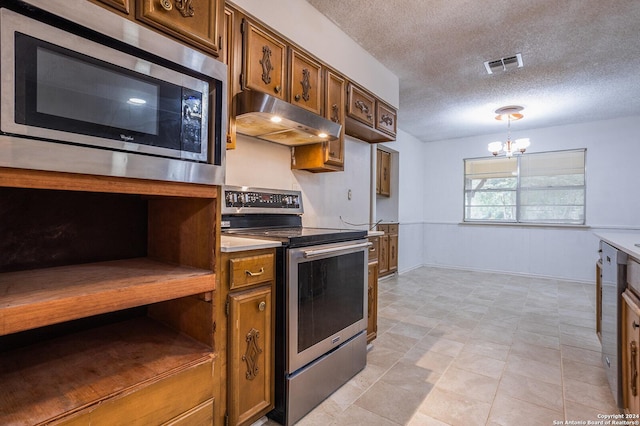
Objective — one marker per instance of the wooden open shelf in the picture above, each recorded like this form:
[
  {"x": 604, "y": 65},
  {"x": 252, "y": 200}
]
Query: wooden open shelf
[
  {"x": 137, "y": 369},
  {"x": 35, "y": 298}
]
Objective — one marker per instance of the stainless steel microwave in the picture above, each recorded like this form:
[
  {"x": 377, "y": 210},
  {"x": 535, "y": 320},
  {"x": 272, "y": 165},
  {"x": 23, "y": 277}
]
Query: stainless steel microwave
[{"x": 84, "y": 90}]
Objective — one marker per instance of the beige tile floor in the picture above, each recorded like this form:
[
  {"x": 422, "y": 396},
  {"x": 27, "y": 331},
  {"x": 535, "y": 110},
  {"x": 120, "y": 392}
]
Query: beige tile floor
[{"x": 471, "y": 348}]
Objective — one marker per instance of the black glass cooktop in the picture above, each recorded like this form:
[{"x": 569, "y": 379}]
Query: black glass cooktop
[{"x": 300, "y": 236}]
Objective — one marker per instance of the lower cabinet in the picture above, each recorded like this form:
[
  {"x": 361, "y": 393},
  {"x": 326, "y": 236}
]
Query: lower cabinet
[
  {"x": 630, "y": 352},
  {"x": 372, "y": 292},
  {"x": 388, "y": 257},
  {"x": 247, "y": 329}
]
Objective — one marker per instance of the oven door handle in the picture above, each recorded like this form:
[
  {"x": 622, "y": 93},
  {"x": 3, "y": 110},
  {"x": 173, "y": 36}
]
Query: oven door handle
[{"x": 313, "y": 253}]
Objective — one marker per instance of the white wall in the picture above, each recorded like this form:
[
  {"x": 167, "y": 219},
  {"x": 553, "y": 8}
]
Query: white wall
[{"x": 613, "y": 154}]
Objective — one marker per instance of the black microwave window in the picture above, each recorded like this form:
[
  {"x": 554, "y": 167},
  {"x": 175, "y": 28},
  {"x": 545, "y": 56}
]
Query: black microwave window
[
  {"x": 60, "y": 89},
  {"x": 72, "y": 88}
]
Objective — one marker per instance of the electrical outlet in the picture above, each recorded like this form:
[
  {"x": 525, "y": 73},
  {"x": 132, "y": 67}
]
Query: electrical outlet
[{"x": 349, "y": 194}]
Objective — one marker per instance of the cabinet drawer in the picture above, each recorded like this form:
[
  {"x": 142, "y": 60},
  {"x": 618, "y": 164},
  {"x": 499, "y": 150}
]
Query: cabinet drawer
[
  {"x": 393, "y": 228},
  {"x": 386, "y": 119},
  {"x": 251, "y": 270},
  {"x": 383, "y": 228},
  {"x": 360, "y": 105},
  {"x": 633, "y": 275},
  {"x": 373, "y": 250}
]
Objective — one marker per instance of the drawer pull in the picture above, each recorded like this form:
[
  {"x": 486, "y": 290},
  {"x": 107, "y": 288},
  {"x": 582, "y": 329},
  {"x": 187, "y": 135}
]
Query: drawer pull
[
  {"x": 254, "y": 274},
  {"x": 635, "y": 325},
  {"x": 262, "y": 306}
]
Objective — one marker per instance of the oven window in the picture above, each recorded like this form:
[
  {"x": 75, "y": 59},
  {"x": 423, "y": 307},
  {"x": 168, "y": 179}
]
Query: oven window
[{"x": 330, "y": 296}]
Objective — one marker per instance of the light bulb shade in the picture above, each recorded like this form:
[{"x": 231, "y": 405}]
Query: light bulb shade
[
  {"x": 522, "y": 144},
  {"x": 494, "y": 147}
]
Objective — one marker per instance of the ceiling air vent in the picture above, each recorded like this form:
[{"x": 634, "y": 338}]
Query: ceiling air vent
[{"x": 504, "y": 64}]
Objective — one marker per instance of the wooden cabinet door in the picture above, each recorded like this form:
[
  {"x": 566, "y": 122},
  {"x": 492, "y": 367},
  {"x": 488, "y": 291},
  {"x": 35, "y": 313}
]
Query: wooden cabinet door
[
  {"x": 630, "y": 352},
  {"x": 250, "y": 359},
  {"x": 121, "y": 5},
  {"x": 334, "y": 110},
  {"x": 384, "y": 173},
  {"x": 197, "y": 22},
  {"x": 264, "y": 60},
  {"x": 383, "y": 259},
  {"x": 305, "y": 84},
  {"x": 372, "y": 309},
  {"x": 360, "y": 105},
  {"x": 393, "y": 253},
  {"x": 386, "y": 119}
]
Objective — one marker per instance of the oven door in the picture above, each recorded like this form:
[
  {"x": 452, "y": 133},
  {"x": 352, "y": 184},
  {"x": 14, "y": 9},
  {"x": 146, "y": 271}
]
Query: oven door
[{"x": 326, "y": 299}]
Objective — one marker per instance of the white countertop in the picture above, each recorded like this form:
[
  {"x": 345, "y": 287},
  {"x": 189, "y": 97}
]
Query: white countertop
[
  {"x": 230, "y": 244},
  {"x": 625, "y": 241},
  {"x": 375, "y": 233}
]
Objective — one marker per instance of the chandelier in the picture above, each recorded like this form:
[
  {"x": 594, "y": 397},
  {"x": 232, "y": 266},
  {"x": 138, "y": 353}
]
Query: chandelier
[{"x": 510, "y": 147}]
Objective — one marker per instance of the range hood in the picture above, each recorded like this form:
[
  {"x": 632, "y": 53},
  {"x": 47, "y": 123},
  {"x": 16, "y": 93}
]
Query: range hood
[{"x": 297, "y": 126}]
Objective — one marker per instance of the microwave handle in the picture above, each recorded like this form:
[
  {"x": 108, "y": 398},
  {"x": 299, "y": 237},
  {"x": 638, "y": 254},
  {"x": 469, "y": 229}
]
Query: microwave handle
[{"x": 313, "y": 253}]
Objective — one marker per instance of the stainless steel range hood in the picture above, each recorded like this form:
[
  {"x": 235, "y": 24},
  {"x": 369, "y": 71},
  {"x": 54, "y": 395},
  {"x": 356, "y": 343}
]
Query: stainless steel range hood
[{"x": 254, "y": 112}]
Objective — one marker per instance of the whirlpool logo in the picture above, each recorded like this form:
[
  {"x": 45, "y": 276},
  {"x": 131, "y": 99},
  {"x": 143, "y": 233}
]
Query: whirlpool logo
[{"x": 126, "y": 138}]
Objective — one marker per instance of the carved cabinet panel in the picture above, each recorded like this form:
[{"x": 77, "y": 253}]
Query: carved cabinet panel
[
  {"x": 334, "y": 110},
  {"x": 250, "y": 380},
  {"x": 383, "y": 178},
  {"x": 386, "y": 119},
  {"x": 121, "y": 5},
  {"x": 197, "y": 22},
  {"x": 264, "y": 57},
  {"x": 630, "y": 352},
  {"x": 361, "y": 105},
  {"x": 305, "y": 84}
]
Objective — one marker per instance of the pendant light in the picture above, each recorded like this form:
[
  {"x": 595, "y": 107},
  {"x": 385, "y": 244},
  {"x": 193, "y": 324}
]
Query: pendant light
[{"x": 510, "y": 147}]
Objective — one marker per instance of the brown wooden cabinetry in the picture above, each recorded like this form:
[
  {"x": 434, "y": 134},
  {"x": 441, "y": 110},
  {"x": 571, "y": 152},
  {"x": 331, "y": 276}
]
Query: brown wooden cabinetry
[
  {"x": 368, "y": 118},
  {"x": 127, "y": 313},
  {"x": 305, "y": 83},
  {"x": 630, "y": 352},
  {"x": 326, "y": 156},
  {"x": 383, "y": 173},
  {"x": 264, "y": 58},
  {"x": 372, "y": 284},
  {"x": 247, "y": 327},
  {"x": 388, "y": 256},
  {"x": 199, "y": 23}
]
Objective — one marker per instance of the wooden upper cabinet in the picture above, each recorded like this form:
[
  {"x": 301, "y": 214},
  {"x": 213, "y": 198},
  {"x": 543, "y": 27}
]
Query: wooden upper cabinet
[
  {"x": 197, "y": 22},
  {"x": 305, "y": 84},
  {"x": 386, "y": 119},
  {"x": 361, "y": 105},
  {"x": 334, "y": 110},
  {"x": 121, "y": 5},
  {"x": 264, "y": 60},
  {"x": 368, "y": 118}
]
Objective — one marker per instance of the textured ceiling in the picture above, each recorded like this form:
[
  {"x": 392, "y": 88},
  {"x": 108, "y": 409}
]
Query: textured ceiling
[{"x": 581, "y": 59}]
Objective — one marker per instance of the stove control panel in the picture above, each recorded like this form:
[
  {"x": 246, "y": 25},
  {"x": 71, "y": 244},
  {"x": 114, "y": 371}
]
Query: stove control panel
[{"x": 258, "y": 200}]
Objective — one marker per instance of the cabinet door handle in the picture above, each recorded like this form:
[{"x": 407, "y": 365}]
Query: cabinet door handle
[
  {"x": 166, "y": 4},
  {"x": 254, "y": 274},
  {"x": 634, "y": 369},
  {"x": 262, "y": 306},
  {"x": 635, "y": 325}
]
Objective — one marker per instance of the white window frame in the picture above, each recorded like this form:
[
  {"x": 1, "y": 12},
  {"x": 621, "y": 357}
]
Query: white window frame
[{"x": 519, "y": 190}]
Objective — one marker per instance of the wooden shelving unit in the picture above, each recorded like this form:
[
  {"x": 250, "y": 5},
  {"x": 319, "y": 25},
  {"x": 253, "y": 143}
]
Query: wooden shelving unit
[
  {"x": 41, "y": 297},
  {"x": 72, "y": 351},
  {"x": 75, "y": 375}
]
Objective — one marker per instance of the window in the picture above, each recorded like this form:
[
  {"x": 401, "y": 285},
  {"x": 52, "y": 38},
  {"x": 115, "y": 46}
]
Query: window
[{"x": 546, "y": 187}]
